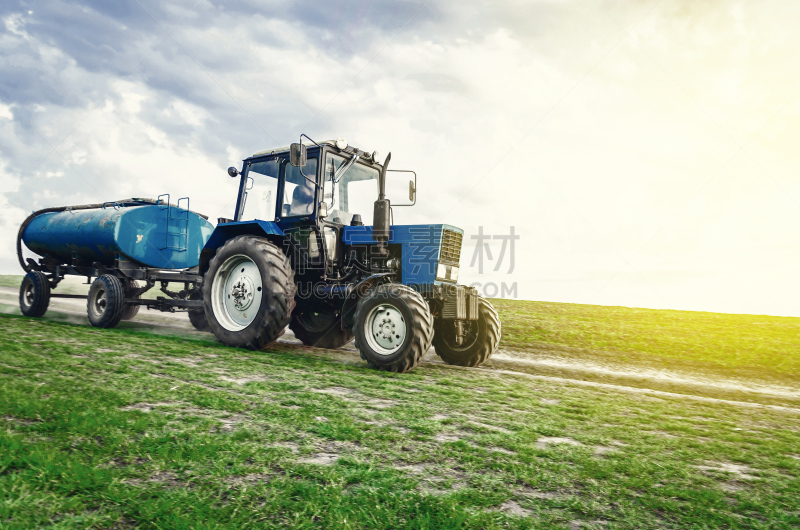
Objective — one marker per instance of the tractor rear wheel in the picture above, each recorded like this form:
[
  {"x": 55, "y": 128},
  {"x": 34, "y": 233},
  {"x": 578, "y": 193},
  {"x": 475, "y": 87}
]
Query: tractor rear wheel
[
  {"x": 248, "y": 293},
  {"x": 106, "y": 301},
  {"x": 130, "y": 310},
  {"x": 394, "y": 327},
  {"x": 478, "y": 344},
  {"x": 34, "y": 294},
  {"x": 320, "y": 330}
]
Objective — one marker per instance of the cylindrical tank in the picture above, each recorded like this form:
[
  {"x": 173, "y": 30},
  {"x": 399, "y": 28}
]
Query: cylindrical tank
[{"x": 153, "y": 235}]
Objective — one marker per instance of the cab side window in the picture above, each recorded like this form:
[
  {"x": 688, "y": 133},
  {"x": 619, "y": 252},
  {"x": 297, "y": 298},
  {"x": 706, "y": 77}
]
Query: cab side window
[
  {"x": 261, "y": 195},
  {"x": 298, "y": 191}
]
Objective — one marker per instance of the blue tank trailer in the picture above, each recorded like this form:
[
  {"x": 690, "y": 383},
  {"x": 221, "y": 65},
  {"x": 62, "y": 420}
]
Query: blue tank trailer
[{"x": 296, "y": 253}]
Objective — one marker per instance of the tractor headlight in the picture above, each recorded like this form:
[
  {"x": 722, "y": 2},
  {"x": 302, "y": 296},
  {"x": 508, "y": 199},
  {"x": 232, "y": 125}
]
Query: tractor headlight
[
  {"x": 454, "y": 274},
  {"x": 441, "y": 272}
]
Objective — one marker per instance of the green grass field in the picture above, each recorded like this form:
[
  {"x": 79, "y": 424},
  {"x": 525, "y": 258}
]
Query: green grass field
[
  {"x": 118, "y": 429},
  {"x": 765, "y": 344}
]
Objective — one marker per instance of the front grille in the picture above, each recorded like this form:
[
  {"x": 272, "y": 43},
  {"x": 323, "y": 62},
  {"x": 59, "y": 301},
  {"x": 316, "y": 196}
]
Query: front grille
[
  {"x": 460, "y": 303},
  {"x": 451, "y": 247},
  {"x": 455, "y": 306}
]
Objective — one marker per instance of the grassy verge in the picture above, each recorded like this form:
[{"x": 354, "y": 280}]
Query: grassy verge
[
  {"x": 746, "y": 345},
  {"x": 757, "y": 343},
  {"x": 113, "y": 428}
]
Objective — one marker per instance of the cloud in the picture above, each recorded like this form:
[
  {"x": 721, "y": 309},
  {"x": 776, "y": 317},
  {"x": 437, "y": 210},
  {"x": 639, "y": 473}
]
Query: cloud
[{"x": 644, "y": 151}]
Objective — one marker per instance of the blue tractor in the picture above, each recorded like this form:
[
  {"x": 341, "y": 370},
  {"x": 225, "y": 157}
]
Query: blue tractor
[{"x": 308, "y": 247}]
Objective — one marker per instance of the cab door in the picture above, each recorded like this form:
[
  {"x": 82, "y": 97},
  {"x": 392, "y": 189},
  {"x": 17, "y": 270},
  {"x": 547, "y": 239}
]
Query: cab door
[{"x": 297, "y": 209}]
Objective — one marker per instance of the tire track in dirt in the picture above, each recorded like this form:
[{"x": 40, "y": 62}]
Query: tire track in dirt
[{"x": 74, "y": 311}]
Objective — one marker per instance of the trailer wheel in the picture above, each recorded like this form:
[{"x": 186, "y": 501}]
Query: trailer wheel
[
  {"x": 394, "y": 327},
  {"x": 106, "y": 301},
  {"x": 34, "y": 294},
  {"x": 198, "y": 316},
  {"x": 320, "y": 330},
  {"x": 248, "y": 293},
  {"x": 130, "y": 310},
  {"x": 481, "y": 340}
]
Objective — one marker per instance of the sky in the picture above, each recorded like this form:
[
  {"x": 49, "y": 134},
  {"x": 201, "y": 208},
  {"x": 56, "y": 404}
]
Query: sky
[{"x": 645, "y": 152}]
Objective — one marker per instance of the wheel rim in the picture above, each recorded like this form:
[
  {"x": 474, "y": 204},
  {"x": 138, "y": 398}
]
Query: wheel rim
[
  {"x": 385, "y": 329},
  {"x": 27, "y": 295},
  {"x": 100, "y": 301},
  {"x": 236, "y": 293}
]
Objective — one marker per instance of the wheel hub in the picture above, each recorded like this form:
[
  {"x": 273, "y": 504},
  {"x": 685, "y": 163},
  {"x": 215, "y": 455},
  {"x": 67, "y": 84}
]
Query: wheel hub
[
  {"x": 29, "y": 294},
  {"x": 386, "y": 329},
  {"x": 100, "y": 301},
  {"x": 242, "y": 293},
  {"x": 236, "y": 292}
]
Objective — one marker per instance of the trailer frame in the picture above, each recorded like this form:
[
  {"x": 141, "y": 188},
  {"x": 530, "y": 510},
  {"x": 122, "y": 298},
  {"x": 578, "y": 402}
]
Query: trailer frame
[{"x": 125, "y": 269}]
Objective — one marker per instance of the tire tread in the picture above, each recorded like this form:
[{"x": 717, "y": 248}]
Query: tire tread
[
  {"x": 130, "y": 310},
  {"x": 115, "y": 304},
  {"x": 41, "y": 294},
  {"x": 421, "y": 321},
  {"x": 484, "y": 350},
  {"x": 278, "y": 289}
]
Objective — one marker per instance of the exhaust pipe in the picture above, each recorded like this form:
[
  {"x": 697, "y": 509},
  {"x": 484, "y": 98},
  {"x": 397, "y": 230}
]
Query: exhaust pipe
[{"x": 380, "y": 224}]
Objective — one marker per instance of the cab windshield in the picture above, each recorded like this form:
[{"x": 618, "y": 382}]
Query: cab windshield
[{"x": 354, "y": 192}]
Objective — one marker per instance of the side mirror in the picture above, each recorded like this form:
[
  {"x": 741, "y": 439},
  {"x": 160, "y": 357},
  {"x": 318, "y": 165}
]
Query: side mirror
[
  {"x": 412, "y": 191},
  {"x": 233, "y": 172},
  {"x": 322, "y": 211},
  {"x": 297, "y": 155}
]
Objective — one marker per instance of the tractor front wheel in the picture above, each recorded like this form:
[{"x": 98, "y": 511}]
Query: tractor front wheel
[
  {"x": 479, "y": 341},
  {"x": 34, "y": 294},
  {"x": 248, "y": 293},
  {"x": 394, "y": 327}
]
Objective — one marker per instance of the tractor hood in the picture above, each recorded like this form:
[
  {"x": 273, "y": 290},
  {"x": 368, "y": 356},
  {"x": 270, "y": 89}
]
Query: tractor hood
[{"x": 430, "y": 253}]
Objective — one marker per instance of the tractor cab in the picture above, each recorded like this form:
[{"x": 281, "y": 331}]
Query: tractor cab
[{"x": 335, "y": 186}]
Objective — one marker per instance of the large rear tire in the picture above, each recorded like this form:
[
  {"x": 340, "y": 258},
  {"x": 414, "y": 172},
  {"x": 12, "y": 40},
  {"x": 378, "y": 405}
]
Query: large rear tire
[
  {"x": 248, "y": 293},
  {"x": 34, "y": 294},
  {"x": 480, "y": 343},
  {"x": 320, "y": 330},
  {"x": 394, "y": 327},
  {"x": 106, "y": 301}
]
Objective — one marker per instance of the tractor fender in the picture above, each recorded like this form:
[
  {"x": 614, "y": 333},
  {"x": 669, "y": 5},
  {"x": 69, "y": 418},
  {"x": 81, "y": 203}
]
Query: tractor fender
[
  {"x": 354, "y": 295},
  {"x": 226, "y": 231}
]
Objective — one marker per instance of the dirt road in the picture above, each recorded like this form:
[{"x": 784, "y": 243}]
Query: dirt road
[{"x": 545, "y": 362}]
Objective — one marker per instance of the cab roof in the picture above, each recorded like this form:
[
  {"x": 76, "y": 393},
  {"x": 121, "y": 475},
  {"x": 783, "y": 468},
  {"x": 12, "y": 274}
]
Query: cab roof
[{"x": 285, "y": 149}]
